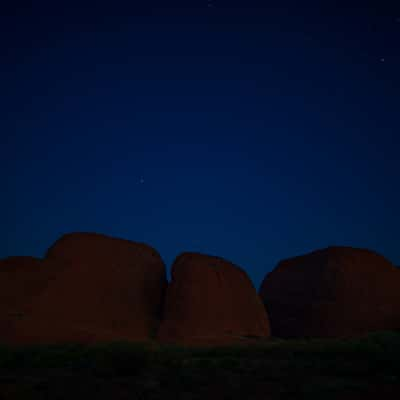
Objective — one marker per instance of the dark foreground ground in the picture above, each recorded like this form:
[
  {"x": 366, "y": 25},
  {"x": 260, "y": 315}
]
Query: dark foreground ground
[{"x": 367, "y": 368}]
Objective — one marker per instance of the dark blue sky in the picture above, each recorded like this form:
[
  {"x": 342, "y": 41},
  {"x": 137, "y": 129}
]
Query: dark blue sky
[{"x": 250, "y": 132}]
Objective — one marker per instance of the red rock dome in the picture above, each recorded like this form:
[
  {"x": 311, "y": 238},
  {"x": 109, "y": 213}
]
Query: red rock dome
[
  {"x": 107, "y": 289},
  {"x": 210, "y": 300},
  {"x": 333, "y": 292}
]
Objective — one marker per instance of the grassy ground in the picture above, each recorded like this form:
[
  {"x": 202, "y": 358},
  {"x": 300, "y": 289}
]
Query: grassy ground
[{"x": 274, "y": 369}]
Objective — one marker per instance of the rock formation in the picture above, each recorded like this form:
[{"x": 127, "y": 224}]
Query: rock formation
[
  {"x": 106, "y": 289},
  {"x": 21, "y": 280},
  {"x": 333, "y": 292},
  {"x": 211, "y": 301}
]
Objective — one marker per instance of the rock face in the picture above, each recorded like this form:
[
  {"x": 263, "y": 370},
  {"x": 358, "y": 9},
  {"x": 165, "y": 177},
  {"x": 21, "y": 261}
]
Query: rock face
[
  {"x": 22, "y": 279},
  {"x": 211, "y": 301},
  {"x": 106, "y": 289},
  {"x": 333, "y": 292}
]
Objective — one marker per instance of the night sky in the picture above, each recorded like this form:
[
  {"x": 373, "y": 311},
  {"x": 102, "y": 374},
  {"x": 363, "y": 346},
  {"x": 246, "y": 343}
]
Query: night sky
[{"x": 254, "y": 131}]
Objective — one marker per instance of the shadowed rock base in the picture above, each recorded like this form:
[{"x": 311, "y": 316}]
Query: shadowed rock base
[{"x": 22, "y": 279}]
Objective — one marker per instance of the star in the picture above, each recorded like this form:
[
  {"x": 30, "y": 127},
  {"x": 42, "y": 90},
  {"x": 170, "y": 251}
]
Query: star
[
  {"x": 382, "y": 60},
  {"x": 141, "y": 180}
]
